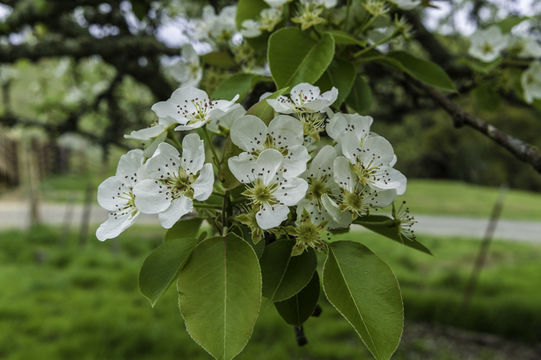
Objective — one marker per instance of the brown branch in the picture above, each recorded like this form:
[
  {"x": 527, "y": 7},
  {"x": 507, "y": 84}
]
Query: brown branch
[{"x": 519, "y": 148}]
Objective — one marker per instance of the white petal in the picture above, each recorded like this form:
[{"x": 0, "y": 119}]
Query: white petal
[
  {"x": 291, "y": 191},
  {"x": 109, "y": 192},
  {"x": 165, "y": 110},
  {"x": 227, "y": 119},
  {"x": 151, "y": 197},
  {"x": 325, "y": 100},
  {"x": 146, "y": 134},
  {"x": 316, "y": 213},
  {"x": 338, "y": 218},
  {"x": 322, "y": 164},
  {"x": 112, "y": 227},
  {"x": 286, "y": 131},
  {"x": 295, "y": 161},
  {"x": 340, "y": 124},
  {"x": 389, "y": 178},
  {"x": 382, "y": 198},
  {"x": 249, "y": 133},
  {"x": 376, "y": 150},
  {"x": 303, "y": 93},
  {"x": 343, "y": 175},
  {"x": 271, "y": 216},
  {"x": 193, "y": 153},
  {"x": 267, "y": 164},
  {"x": 130, "y": 164},
  {"x": 191, "y": 126},
  {"x": 178, "y": 209},
  {"x": 243, "y": 167},
  {"x": 202, "y": 187},
  {"x": 163, "y": 164},
  {"x": 282, "y": 105}
]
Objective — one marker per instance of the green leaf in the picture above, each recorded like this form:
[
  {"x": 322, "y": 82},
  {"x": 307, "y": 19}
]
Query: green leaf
[
  {"x": 160, "y": 269},
  {"x": 360, "y": 97},
  {"x": 340, "y": 74},
  {"x": 248, "y": 9},
  {"x": 263, "y": 110},
  {"x": 297, "y": 309},
  {"x": 285, "y": 275},
  {"x": 342, "y": 37},
  {"x": 240, "y": 84},
  {"x": 184, "y": 229},
  {"x": 365, "y": 291},
  {"x": 295, "y": 57},
  {"x": 219, "y": 59},
  {"x": 420, "y": 69},
  {"x": 220, "y": 295},
  {"x": 510, "y": 22},
  {"x": 389, "y": 228}
]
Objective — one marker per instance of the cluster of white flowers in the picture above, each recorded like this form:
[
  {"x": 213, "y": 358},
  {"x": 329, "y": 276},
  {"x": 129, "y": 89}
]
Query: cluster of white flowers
[
  {"x": 487, "y": 45},
  {"x": 267, "y": 21},
  {"x": 329, "y": 182}
]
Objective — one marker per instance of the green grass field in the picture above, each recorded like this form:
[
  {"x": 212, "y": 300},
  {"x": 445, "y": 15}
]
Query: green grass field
[{"x": 63, "y": 302}]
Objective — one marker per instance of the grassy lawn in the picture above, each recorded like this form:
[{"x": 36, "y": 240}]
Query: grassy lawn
[
  {"x": 442, "y": 197},
  {"x": 64, "y": 302}
]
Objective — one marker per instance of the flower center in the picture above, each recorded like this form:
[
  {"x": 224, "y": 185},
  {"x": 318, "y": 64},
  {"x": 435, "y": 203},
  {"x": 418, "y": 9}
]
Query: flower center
[
  {"x": 179, "y": 184},
  {"x": 261, "y": 194},
  {"x": 197, "y": 111},
  {"x": 365, "y": 172},
  {"x": 486, "y": 48},
  {"x": 316, "y": 188},
  {"x": 355, "y": 202}
]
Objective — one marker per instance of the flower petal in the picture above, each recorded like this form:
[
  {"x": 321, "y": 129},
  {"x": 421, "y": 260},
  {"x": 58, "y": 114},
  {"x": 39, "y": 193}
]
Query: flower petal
[
  {"x": 179, "y": 207},
  {"x": 325, "y": 100},
  {"x": 338, "y": 218},
  {"x": 202, "y": 187},
  {"x": 267, "y": 164},
  {"x": 193, "y": 153},
  {"x": 151, "y": 197},
  {"x": 376, "y": 150},
  {"x": 286, "y": 131},
  {"x": 163, "y": 164},
  {"x": 130, "y": 164},
  {"x": 388, "y": 178},
  {"x": 147, "y": 133},
  {"x": 343, "y": 175},
  {"x": 243, "y": 167},
  {"x": 109, "y": 192},
  {"x": 341, "y": 124},
  {"x": 322, "y": 164},
  {"x": 114, "y": 225},
  {"x": 282, "y": 105},
  {"x": 291, "y": 191},
  {"x": 295, "y": 161},
  {"x": 249, "y": 133},
  {"x": 304, "y": 93},
  {"x": 271, "y": 216}
]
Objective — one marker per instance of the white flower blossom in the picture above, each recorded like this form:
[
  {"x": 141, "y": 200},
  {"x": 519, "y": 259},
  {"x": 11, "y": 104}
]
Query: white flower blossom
[
  {"x": 407, "y": 4},
  {"x": 304, "y": 98},
  {"x": 284, "y": 134},
  {"x": 341, "y": 124},
  {"x": 527, "y": 47},
  {"x": 269, "y": 194},
  {"x": 173, "y": 181},
  {"x": 531, "y": 82},
  {"x": 223, "y": 121},
  {"x": 250, "y": 28},
  {"x": 486, "y": 45},
  {"x": 269, "y": 18},
  {"x": 187, "y": 71},
  {"x": 116, "y": 195},
  {"x": 323, "y": 192},
  {"x": 371, "y": 160},
  {"x": 191, "y": 108}
]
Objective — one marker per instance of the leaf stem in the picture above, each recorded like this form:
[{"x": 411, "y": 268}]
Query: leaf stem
[{"x": 376, "y": 44}]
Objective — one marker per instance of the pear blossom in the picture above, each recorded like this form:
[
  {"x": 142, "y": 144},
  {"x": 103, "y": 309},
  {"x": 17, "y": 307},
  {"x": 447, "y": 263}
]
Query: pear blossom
[
  {"x": 342, "y": 124},
  {"x": 116, "y": 195},
  {"x": 187, "y": 71},
  {"x": 529, "y": 48},
  {"x": 407, "y": 4},
  {"x": 250, "y": 28},
  {"x": 173, "y": 181},
  {"x": 405, "y": 221},
  {"x": 283, "y": 134},
  {"x": 323, "y": 192},
  {"x": 222, "y": 123},
  {"x": 304, "y": 98},
  {"x": 269, "y": 194},
  {"x": 269, "y": 18},
  {"x": 372, "y": 160},
  {"x": 531, "y": 82},
  {"x": 358, "y": 196},
  {"x": 191, "y": 108},
  {"x": 486, "y": 45}
]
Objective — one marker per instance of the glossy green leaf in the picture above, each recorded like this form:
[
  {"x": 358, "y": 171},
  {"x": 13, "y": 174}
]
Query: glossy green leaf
[
  {"x": 342, "y": 37},
  {"x": 341, "y": 75},
  {"x": 240, "y": 84},
  {"x": 220, "y": 295},
  {"x": 297, "y": 309},
  {"x": 160, "y": 269},
  {"x": 295, "y": 57},
  {"x": 285, "y": 275},
  {"x": 420, "y": 69},
  {"x": 220, "y": 59},
  {"x": 360, "y": 96},
  {"x": 248, "y": 9},
  {"x": 389, "y": 228},
  {"x": 365, "y": 291},
  {"x": 184, "y": 229}
]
